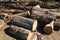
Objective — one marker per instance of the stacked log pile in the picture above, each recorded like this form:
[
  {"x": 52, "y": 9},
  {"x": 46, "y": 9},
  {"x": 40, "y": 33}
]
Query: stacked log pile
[{"x": 28, "y": 21}]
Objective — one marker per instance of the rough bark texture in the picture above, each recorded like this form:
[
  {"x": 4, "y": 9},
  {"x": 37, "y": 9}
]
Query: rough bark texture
[
  {"x": 25, "y": 22},
  {"x": 22, "y": 33}
]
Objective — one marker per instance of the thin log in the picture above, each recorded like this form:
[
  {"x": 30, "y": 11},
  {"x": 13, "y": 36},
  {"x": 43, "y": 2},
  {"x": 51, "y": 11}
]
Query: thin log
[
  {"x": 22, "y": 33},
  {"x": 25, "y": 22},
  {"x": 49, "y": 28}
]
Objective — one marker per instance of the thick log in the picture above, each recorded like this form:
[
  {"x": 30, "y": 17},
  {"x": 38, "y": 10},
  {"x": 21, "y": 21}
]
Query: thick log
[
  {"x": 25, "y": 22},
  {"x": 49, "y": 28},
  {"x": 6, "y": 17},
  {"x": 22, "y": 33},
  {"x": 42, "y": 16},
  {"x": 57, "y": 25}
]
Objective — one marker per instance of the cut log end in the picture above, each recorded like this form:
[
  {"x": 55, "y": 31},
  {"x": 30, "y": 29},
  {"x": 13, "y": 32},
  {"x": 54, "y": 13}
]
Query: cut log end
[
  {"x": 48, "y": 30},
  {"x": 34, "y": 25}
]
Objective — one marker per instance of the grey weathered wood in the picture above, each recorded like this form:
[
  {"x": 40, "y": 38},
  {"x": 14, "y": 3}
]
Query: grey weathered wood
[
  {"x": 49, "y": 28},
  {"x": 25, "y": 22},
  {"x": 22, "y": 33}
]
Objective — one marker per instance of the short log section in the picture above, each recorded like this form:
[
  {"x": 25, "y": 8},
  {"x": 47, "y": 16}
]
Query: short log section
[{"x": 25, "y": 22}]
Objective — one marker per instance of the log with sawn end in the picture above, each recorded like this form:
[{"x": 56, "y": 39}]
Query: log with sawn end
[
  {"x": 6, "y": 16},
  {"x": 10, "y": 10},
  {"x": 22, "y": 33},
  {"x": 25, "y": 22},
  {"x": 49, "y": 27}
]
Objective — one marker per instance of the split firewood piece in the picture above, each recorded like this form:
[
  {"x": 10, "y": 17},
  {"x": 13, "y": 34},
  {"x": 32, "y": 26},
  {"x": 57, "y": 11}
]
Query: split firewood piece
[
  {"x": 57, "y": 25},
  {"x": 22, "y": 33},
  {"x": 1, "y": 23},
  {"x": 6, "y": 16},
  {"x": 25, "y": 22},
  {"x": 49, "y": 28}
]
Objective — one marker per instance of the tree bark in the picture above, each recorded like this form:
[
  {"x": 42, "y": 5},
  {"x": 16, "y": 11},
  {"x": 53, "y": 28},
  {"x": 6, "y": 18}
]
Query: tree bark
[
  {"x": 22, "y": 14},
  {"x": 6, "y": 16},
  {"x": 22, "y": 33},
  {"x": 25, "y": 22}
]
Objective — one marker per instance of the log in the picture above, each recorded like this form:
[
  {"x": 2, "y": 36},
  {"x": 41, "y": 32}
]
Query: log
[
  {"x": 57, "y": 25},
  {"x": 42, "y": 17},
  {"x": 6, "y": 17},
  {"x": 27, "y": 13},
  {"x": 5, "y": 10},
  {"x": 22, "y": 7},
  {"x": 49, "y": 28},
  {"x": 25, "y": 22},
  {"x": 22, "y": 33}
]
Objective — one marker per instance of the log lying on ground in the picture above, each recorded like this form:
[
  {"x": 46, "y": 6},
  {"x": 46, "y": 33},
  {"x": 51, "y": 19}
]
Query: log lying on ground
[
  {"x": 27, "y": 13},
  {"x": 57, "y": 25},
  {"x": 44, "y": 16},
  {"x": 5, "y": 10},
  {"x": 6, "y": 17},
  {"x": 49, "y": 28},
  {"x": 50, "y": 5},
  {"x": 22, "y": 33},
  {"x": 25, "y": 22},
  {"x": 1, "y": 23},
  {"x": 22, "y": 7}
]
